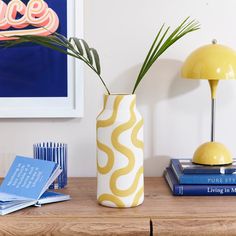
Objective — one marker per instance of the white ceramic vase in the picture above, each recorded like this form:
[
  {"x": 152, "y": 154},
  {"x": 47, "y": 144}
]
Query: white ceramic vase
[{"x": 120, "y": 153}]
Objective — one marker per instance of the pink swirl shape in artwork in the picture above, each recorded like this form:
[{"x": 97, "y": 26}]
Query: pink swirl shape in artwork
[{"x": 36, "y": 13}]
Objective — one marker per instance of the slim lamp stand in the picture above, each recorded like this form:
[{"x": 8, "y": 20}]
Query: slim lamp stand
[
  {"x": 213, "y": 86},
  {"x": 213, "y": 110}
]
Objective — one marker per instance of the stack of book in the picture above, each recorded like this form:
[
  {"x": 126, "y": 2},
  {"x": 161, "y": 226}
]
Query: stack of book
[{"x": 187, "y": 179}]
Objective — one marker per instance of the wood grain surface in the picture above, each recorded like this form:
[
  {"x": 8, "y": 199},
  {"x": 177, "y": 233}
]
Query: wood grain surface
[{"x": 83, "y": 216}]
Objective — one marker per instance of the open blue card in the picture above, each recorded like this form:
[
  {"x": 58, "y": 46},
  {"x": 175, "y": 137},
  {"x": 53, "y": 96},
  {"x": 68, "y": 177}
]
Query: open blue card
[
  {"x": 27, "y": 178},
  {"x": 26, "y": 183}
]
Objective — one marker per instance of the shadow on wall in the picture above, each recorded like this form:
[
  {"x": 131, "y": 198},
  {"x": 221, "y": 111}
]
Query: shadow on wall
[
  {"x": 161, "y": 83},
  {"x": 155, "y": 165}
]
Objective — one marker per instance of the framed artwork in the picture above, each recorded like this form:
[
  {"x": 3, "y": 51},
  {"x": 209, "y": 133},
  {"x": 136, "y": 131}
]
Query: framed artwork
[{"x": 36, "y": 81}]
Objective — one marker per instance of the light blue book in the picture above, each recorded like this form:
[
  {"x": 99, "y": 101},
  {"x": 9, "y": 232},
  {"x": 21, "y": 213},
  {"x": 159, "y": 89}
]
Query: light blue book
[{"x": 26, "y": 183}]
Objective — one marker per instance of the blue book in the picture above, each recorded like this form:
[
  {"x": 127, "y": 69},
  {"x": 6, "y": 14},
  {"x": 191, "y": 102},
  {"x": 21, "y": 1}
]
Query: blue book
[
  {"x": 200, "y": 178},
  {"x": 188, "y": 167},
  {"x": 47, "y": 197},
  {"x": 26, "y": 182},
  {"x": 197, "y": 190},
  {"x": 50, "y": 197}
]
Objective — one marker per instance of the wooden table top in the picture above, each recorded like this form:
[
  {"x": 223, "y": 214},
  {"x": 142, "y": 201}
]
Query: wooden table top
[{"x": 82, "y": 215}]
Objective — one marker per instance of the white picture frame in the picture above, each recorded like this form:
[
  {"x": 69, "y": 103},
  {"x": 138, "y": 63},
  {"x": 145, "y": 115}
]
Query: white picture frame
[{"x": 71, "y": 106}]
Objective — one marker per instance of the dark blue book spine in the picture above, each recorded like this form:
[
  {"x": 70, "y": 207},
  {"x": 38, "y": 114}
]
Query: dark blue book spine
[
  {"x": 197, "y": 190},
  {"x": 201, "y": 178},
  {"x": 204, "y": 190}
]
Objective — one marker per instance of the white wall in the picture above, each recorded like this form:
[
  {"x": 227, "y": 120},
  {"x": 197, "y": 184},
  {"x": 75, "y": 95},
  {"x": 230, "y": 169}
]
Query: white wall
[{"x": 176, "y": 111}]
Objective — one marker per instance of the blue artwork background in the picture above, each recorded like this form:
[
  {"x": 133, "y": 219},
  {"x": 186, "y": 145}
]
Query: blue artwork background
[{"x": 35, "y": 71}]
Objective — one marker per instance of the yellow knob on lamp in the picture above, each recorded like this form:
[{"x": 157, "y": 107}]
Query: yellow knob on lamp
[
  {"x": 212, "y": 153},
  {"x": 212, "y": 62}
]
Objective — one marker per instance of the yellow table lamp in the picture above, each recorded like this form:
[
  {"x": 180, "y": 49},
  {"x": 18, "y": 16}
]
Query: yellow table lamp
[{"x": 212, "y": 62}]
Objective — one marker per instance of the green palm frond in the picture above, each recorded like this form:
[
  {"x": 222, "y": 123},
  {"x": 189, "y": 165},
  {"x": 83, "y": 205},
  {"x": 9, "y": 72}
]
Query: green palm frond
[
  {"x": 159, "y": 47},
  {"x": 74, "y": 47}
]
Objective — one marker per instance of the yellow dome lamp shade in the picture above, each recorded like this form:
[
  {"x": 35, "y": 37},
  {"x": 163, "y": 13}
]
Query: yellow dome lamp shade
[{"x": 212, "y": 62}]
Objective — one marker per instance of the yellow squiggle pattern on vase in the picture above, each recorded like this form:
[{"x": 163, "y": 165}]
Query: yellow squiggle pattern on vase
[
  {"x": 134, "y": 136},
  {"x": 107, "y": 168},
  {"x": 119, "y": 196},
  {"x": 129, "y": 154},
  {"x": 105, "y": 123},
  {"x": 139, "y": 144},
  {"x": 137, "y": 197},
  {"x": 111, "y": 198},
  {"x": 112, "y": 119}
]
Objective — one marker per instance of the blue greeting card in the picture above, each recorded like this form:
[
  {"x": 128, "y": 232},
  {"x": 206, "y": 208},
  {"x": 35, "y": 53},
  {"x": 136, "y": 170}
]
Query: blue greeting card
[
  {"x": 26, "y": 182},
  {"x": 27, "y": 177}
]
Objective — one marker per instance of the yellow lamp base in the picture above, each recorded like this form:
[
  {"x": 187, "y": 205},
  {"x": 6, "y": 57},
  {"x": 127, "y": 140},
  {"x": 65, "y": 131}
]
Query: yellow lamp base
[{"x": 212, "y": 153}]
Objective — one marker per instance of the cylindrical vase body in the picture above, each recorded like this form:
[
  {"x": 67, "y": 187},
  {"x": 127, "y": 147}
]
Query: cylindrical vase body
[{"x": 120, "y": 153}]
